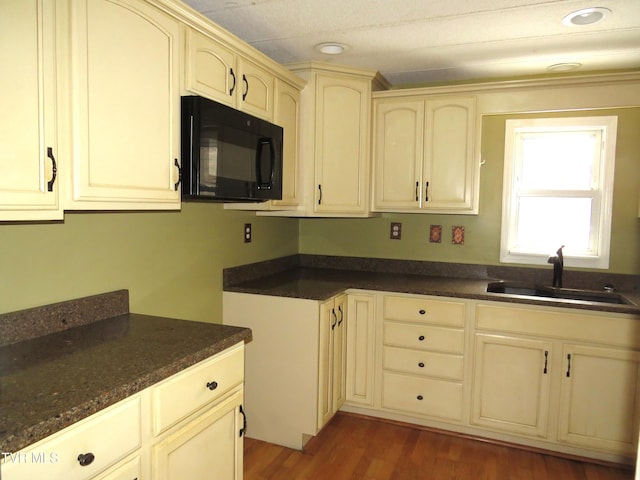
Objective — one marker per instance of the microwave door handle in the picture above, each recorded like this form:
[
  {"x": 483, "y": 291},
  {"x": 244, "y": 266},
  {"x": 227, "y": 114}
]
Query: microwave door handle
[{"x": 262, "y": 142}]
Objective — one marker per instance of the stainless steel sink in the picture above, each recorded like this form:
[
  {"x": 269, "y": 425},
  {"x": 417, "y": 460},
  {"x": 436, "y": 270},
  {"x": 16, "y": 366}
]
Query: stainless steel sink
[{"x": 537, "y": 291}]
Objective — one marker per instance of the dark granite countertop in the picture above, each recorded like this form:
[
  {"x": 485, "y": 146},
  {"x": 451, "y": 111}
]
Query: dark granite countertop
[
  {"x": 52, "y": 381},
  {"x": 322, "y": 283}
]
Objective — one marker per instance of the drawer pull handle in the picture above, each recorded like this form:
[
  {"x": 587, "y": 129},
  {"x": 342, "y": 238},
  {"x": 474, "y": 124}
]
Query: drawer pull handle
[
  {"x": 422, "y": 312},
  {"x": 212, "y": 385},
  {"x": 420, "y": 397},
  {"x": 421, "y": 338},
  {"x": 421, "y": 364},
  {"x": 85, "y": 459}
]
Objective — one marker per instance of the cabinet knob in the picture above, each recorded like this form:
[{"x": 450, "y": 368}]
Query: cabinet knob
[
  {"x": 212, "y": 385},
  {"x": 420, "y": 397},
  {"x": 85, "y": 459},
  {"x": 421, "y": 365},
  {"x": 422, "y": 312},
  {"x": 421, "y": 338}
]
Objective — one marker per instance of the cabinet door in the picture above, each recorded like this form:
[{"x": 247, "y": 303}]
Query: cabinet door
[
  {"x": 398, "y": 151},
  {"x": 28, "y": 186},
  {"x": 511, "y": 384},
  {"x": 342, "y": 145},
  {"x": 600, "y": 398},
  {"x": 287, "y": 115},
  {"x": 126, "y": 118},
  {"x": 449, "y": 170},
  {"x": 211, "y": 69},
  {"x": 208, "y": 448},
  {"x": 255, "y": 94},
  {"x": 328, "y": 322},
  {"x": 360, "y": 367},
  {"x": 339, "y": 353}
]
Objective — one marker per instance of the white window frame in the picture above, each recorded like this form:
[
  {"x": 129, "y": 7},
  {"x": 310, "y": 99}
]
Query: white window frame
[{"x": 602, "y": 193}]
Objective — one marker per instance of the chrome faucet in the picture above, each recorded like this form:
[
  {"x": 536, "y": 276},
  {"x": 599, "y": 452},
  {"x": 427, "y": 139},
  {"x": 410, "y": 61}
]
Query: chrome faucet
[{"x": 558, "y": 264}]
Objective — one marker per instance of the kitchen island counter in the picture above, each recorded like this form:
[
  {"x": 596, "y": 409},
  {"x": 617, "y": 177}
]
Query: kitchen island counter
[{"x": 52, "y": 381}]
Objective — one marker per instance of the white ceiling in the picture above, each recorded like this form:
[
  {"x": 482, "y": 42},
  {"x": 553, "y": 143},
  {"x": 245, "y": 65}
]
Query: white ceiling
[{"x": 420, "y": 41}]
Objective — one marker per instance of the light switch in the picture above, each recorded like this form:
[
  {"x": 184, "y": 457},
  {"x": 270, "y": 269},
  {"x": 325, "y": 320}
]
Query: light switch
[{"x": 247, "y": 233}]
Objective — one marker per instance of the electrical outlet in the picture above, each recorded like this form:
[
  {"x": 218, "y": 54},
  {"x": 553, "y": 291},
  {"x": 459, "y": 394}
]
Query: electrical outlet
[
  {"x": 247, "y": 233},
  {"x": 396, "y": 231}
]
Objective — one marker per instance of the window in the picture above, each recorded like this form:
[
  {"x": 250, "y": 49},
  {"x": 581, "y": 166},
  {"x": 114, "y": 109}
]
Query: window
[{"x": 558, "y": 187}]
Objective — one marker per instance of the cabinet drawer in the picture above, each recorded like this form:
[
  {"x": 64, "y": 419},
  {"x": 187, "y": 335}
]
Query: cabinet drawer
[
  {"x": 189, "y": 390},
  {"x": 129, "y": 470},
  {"x": 424, "y": 363},
  {"x": 415, "y": 309},
  {"x": 108, "y": 435},
  {"x": 424, "y": 396},
  {"x": 424, "y": 337}
]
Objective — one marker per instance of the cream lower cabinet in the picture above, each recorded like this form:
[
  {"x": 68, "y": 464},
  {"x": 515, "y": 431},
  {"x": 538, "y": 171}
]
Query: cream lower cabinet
[
  {"x": 568, "y": 378},
  {"x": 28, "y": 125},
  {"x": 512, "y": 384},
  {"x": 424, "y": 155},
  {"x": 190, "y": 425},
  {"x": 294, "y": 377},
  {"x": 600, "y": 398},
  {"x": 423, "y": 356},
  {"x": 360, "y": 349},
  {"x": 124, "y": 123},
  {"x": 188, "y": 452},
  {"x": 332, "y": 358}
]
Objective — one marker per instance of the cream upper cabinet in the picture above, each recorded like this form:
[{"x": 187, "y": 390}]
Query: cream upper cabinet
[
  {"x": 125, "y": 119},
  {"x": 287, "y": 115},
  {"x": 219, "y": 73},
  {"x": 600, "y": 397},
  {"x": 512, "y": 384},
  {"x": 29, "y": 154},
  {"x": 424, "y": 157},
  {"x": 335, "y": 138}
]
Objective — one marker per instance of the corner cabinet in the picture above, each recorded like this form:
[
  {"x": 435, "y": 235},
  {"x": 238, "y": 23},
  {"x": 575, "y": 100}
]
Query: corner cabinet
[
  {"x": 294, "y": 364},
  {"x": 124, "y": 120},
  {"x": 335, "y": 139},
  {"x": 28, "y": 135},
  {"x": 424, "y": 154}
]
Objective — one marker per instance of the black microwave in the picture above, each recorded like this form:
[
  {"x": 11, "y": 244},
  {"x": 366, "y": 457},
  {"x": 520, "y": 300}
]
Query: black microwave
[{"x": 228, "y": 155}]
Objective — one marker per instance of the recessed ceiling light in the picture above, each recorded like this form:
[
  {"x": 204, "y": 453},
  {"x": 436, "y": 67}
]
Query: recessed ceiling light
[
  {"x": 564, "y": 67},
  {"x": 586, "y": 16},
  {"x": 331, "y": 48}
]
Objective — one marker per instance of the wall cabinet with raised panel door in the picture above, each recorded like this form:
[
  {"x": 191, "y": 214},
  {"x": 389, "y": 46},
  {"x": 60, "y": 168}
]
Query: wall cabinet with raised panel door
[
  {"x": 217, "y": 72},
  {"x": 124, "y": 124},
  {"x": 424, "y": 154},
  {"x": 190, "y": 425},
  {"x": 335, "y": 139},
  {"x": 28, "y": 126}
]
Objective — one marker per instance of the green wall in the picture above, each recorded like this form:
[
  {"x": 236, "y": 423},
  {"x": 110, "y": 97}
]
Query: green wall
[
  {"x": 171, "y": 262},
  {"x": 370, "y": 237}
]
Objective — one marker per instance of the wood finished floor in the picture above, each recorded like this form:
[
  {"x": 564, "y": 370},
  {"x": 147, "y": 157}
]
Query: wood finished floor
[{"x": 357, "y": 448}]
